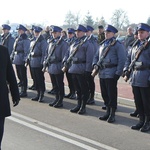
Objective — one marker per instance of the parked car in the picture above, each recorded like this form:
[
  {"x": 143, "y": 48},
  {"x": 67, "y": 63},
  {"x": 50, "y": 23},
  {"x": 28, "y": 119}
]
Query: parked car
[{"x": 121, "y": 39}]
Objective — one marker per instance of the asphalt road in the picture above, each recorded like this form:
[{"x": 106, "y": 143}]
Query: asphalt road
[{"x": 36, "y": 126}]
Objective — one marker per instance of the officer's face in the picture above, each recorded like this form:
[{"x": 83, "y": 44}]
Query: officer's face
[
  {"x": 36, "y": 34},
  {"x": 109, "y": 35},
  {"x": 80, "y": 34},
  {"x": 5, "y": 31},
  {"x": 70, "y": 35},
  {"x": 56, "y": 34},
  {"x": 142, "y": 35},
  {"x": 88, "y": 33}
]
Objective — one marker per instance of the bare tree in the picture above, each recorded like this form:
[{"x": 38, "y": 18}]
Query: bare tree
[
  {"x": 70, "y": 19},
  {"x": 119, "y": 19},
  {"x": 148, "y": 21}
]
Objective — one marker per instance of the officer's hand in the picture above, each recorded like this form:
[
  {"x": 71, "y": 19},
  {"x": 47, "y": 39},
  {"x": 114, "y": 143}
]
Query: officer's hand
[
  {"x": 15, "y": 102},
  {"x": 96, "y": 67},
  {"x": 116, "y": 77}
]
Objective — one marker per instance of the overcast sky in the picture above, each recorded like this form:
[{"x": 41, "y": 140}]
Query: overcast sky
[{"x": 52, "y": 12}]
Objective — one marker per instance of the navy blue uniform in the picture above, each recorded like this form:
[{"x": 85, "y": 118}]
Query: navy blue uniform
[
  {"x": 36, "y": 64},
  {"x": 55, "y": 66},
  {"x": 21, "y": 51},
  {"x": 8, "y": 41}
]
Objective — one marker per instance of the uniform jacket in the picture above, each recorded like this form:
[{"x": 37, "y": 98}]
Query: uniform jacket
[
  {"x": 82, "y": 60},
  {"x": 8, "y": 41},
  {"x": 22, "y": 50},
  {"x": 139, "y": 77},
  {"x": 116, "y": 56},
  {"x": 38, "y": 53},
  {"x": 55, "y": 62},
  {"x": 7, "y": 77}
]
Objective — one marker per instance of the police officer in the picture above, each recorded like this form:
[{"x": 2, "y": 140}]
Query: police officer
[
  {"x": 19, "y": 55},
  {"x": 110, "y": 70},
  {"x": 90, "y": 79},
  {"x": 101, "y": 35},
  {"x": 31, "y": 38},
  {"x": 70, "y": 40},
  {"x": 57, "y": 49},
  {"x": 140, "y": 77},
  {"x": 80, "y": 66},
  {"x": 7, "y": 39},
  {"x": 37, "y": 53}
]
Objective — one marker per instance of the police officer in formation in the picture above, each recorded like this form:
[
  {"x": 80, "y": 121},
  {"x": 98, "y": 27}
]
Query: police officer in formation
[
  {"x": 110, "y": 69},
  {"x": 7, "y": 39},
  {"x": 37, "y": 53},
  {"x": 31, "y": 38},
  {"x": 70, "y": 40},
  {"x": 56, "y": 51},
  {"x": 140, "y": 76},
  {"x": 19, "y": 55},
  {"x": 80, "y": 66},
  {"x": 90, "y": 79}
]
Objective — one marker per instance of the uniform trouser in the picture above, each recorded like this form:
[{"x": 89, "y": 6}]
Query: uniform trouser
[
  {"x": 2, "y": 120},
  {"x": 18, "y": 73},
  {"x": 31, "y": 73},
  {"x": 52, "y": 77},
  {"x": 81, "y": 87},
  {"x": 38, "y": 77},
  {"x": 59, "y": 83},
  {"x": 91, "y": 84},
  {"x": 142, "y": 100},
  {"x": 70, "y": 82},
  {"x": 109, "y": 91},
  {"x": 22, "y": 70}
]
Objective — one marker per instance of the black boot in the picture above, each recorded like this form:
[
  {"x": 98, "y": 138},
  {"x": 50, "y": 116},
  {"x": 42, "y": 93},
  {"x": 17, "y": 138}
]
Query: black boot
[
  {"x": 76, "y": 108},
  {"x": 55, "y": 101},
  {"x": 37, "y": 97},
  {"x": 72, "y": 96},
  {"x": 139, "y": 124},
  {"x": 146, "y": 126},
  {"x": 83, "y": 108},
  {"x": 41, "y": 96},
  {"x": 134, "y": 114},
  {"x": 60, "y": 101},
  {"x": 23, "y": 92},
  {"x": 111, "y": 118},
  {"x": 106, "y": 116},
  {"x": 68, "y": 95}
]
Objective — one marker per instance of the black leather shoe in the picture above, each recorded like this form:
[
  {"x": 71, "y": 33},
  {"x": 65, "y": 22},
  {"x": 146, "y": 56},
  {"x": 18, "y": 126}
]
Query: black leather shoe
[
  {"x": 134, "y": 114},
  {"x": 23, "y": 94},
  {"x": 53, "y": 103},
  {"x": 32, "y": 87},
  {"x": 137, "y": 126},
  {"x": 58, "y": 105},
  {"x": 82, "y": 111},
  {"x": 111, "y": 119},
  {"x": 73, "y": 96},
  {"x": 91, "y": 101},
  {"x": 67, "y": 95},
  {"x": 52, "y": 92},
  {"x": 145, "y": 127},
  {"x": 75, "y": 109},
  {"x": 35, "y": 98},
  {"x": 104, "y": 107}
]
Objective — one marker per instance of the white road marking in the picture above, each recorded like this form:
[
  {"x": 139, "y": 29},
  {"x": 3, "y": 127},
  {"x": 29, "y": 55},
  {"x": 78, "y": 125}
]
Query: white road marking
[{"x": 59, "y": 130}]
